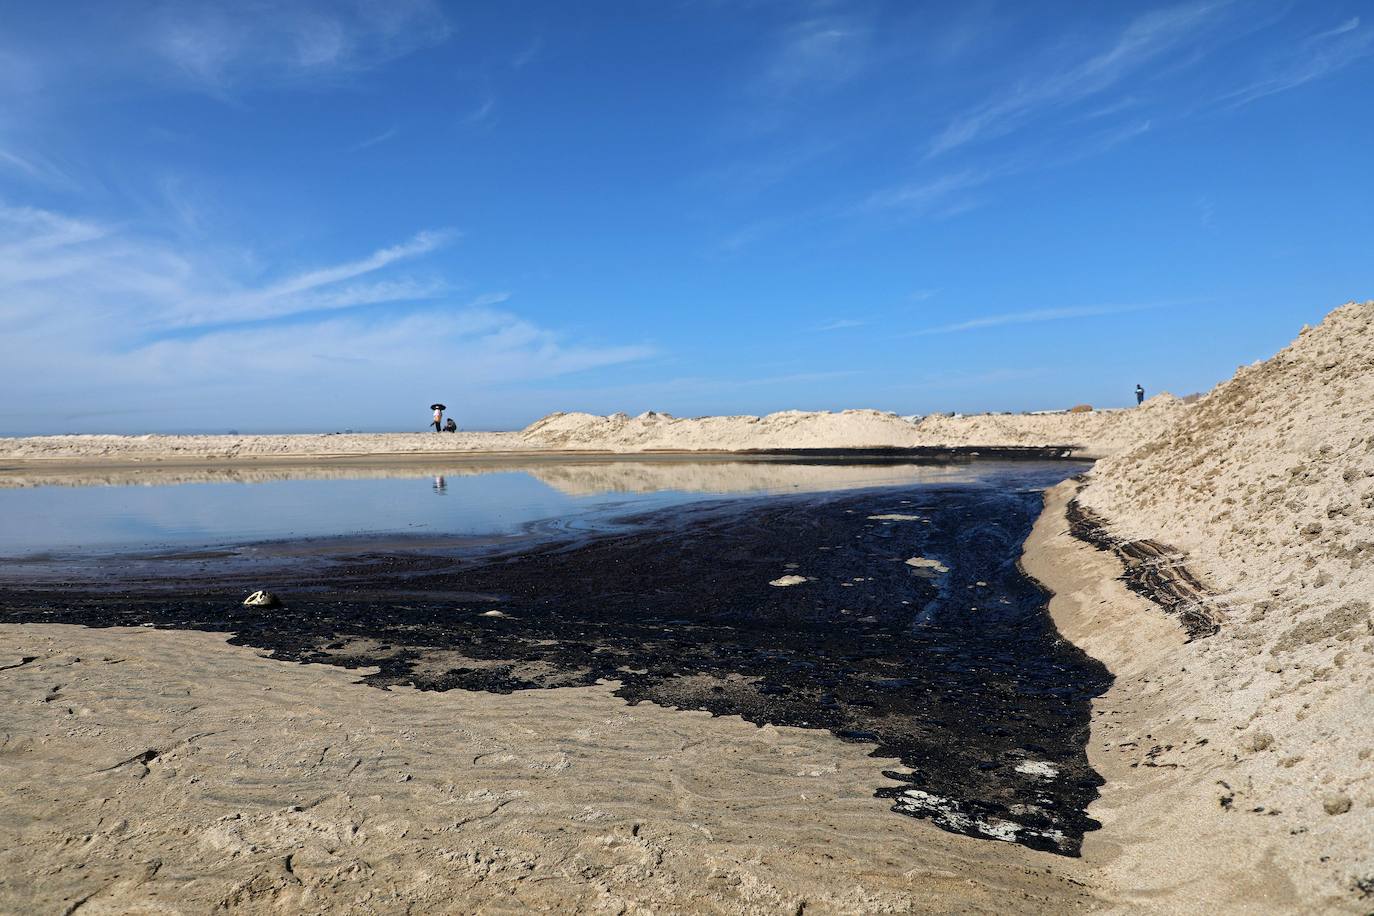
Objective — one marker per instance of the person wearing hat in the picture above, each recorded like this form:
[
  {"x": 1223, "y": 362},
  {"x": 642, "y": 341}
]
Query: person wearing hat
[{"x": 438, "y": 423}]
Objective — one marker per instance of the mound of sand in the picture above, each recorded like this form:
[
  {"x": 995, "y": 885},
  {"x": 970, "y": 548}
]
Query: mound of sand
[
  {"x": 1268, "y": 484},
  {"x": 1093, "y": 433},
  {"x": 1097, "y": 432},
  {"x": 1100, "y": 432},
  {"x": 787, "y": 429}
]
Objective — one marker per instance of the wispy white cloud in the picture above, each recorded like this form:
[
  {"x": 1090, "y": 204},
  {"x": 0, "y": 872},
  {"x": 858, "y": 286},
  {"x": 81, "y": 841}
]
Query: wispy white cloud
[
  {"x": 749, "y": 177},
  {"x": 374, "y": 140},
  {"x": 316, "y": 289},
  {"x": 217, "y": 48},
  {"x": 528, "y": 54},
  {"x": 922, "y": 197},
  {"x": 840, "y": 324},
  {"x": 482, "y": 112},
  {"x": 1317, "y": 56},
  {"x": 35, "y": 168},
  {"x": 1032, "y": 316},
  {"x": 422, "y": 243},
  {"x": 819, "y": 52},
  {"x": 1207, "y": 211},
  {"x": 462, "y": 346},
  {"x": 131, "y": 320},
  {"x": 1145, "y": 39},
  {"x": 222, "y": 46},
  {"x": 949, "y": 194},
  {"x": 1344, "y": 28}
]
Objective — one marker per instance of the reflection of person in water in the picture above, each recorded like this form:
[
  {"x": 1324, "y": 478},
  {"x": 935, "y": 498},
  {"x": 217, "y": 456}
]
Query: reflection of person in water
[{"x": 439, "y": 485}]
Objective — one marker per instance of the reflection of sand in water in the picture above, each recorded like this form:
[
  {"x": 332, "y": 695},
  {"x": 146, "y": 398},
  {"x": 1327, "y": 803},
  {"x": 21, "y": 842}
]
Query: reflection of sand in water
[
  {"x": 574, "y": 478},
  {"x": 739, "y": 476}
]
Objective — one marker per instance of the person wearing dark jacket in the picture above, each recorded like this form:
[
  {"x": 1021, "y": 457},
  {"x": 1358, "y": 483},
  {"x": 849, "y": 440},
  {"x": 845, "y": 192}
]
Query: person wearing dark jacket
[{"x": 1139, "y": 395}]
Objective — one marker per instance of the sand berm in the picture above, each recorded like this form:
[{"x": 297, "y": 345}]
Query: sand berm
[
  {"x": 1259, "y": 740},
  {"x": 1092, "y": 434}
]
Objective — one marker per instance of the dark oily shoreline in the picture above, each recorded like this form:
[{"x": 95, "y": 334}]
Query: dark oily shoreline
[
  {"x": 1151, "y": 569},
  {"x": 959, "y": 677},
  {"x": 81, "y": 471}
]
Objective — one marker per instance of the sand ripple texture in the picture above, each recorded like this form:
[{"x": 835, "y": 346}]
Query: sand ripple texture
[
  {"x": 157, "y": 772},
  {"x": 1268, "y": 484}
]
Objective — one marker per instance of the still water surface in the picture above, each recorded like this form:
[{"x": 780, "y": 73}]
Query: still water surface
[{"x": 146, "y": 510}]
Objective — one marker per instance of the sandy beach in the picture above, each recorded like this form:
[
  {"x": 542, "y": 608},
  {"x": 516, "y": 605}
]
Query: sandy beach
[
  {"x": 734, "y": 458},
  {"x": 152, "y": 771},
  {"x": 1090, "y": 434},
  {"x": 167, "y": 771}
]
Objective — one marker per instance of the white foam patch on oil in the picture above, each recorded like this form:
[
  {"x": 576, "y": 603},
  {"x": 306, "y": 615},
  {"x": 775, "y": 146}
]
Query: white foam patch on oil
[
  {"x": 947, "y": 813},
  {"x": 1042, "y": 768}
]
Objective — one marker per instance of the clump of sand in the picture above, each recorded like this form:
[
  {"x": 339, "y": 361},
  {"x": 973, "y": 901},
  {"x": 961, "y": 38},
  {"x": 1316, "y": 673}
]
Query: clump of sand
[
  {"x": 1268, "y": 484},
  {"x": 1094, "y": 433}
]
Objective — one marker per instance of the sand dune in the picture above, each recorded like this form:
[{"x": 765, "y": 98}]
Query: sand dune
[
  {"x": 1267, "y": 484},
  {"x": 1096, "y": 432},
  {"x": 1093, "y": 434}
]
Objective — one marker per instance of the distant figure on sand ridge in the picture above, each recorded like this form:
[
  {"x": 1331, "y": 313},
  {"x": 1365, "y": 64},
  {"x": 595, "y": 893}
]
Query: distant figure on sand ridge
[
  {"x": 450, "y": 426},
  {"x": 1139, "y": 395}
]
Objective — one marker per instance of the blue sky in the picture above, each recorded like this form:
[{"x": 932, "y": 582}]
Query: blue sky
[{"x": 309, "y": 216}]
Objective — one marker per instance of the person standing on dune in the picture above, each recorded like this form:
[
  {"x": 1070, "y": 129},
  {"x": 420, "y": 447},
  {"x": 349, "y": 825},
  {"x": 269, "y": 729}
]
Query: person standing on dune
[
  {"x": 438, "y": 423},
  {"x": 1139, "y": 395}
]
